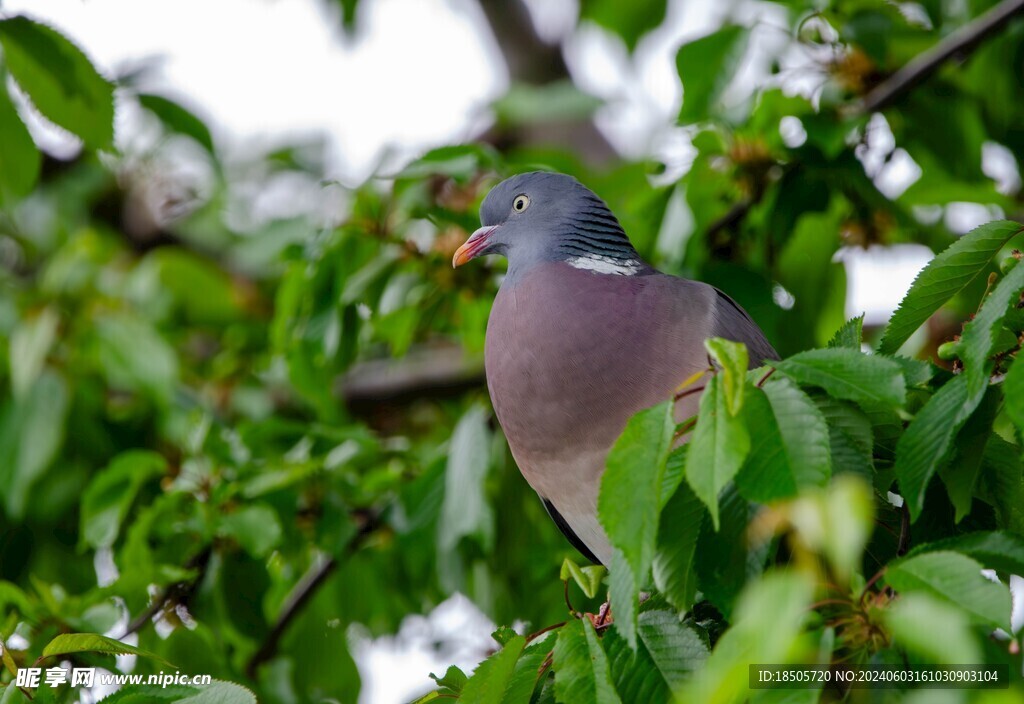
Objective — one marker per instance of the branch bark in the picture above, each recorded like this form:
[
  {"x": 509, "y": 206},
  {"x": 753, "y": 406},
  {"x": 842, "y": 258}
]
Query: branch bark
[{"x": 958, "y": 44}]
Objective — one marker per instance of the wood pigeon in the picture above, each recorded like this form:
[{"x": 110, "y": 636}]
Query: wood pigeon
[{"x": 584, "y": 334}]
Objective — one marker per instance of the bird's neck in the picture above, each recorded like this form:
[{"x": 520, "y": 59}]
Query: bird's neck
[{"x": 593, "y": 239}]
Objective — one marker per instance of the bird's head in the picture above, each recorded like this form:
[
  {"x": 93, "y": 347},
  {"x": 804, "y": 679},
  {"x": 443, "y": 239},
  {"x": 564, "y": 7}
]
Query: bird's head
[{"x": 540, "y": 216}]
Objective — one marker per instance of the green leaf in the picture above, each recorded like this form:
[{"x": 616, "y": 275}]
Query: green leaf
[
  {"x": 848, "y": 374},
  {"x": 111, "y": 492},
  {"x": 31, "y": 434},
  {"x": 256, "y": 528},
  {"x": 932, "y": 629},
  {"x": 20, "y": 161},
  {"x": 587, "y": 578},
  {"x": 717, "y": 450},
  {"x": 453, "y": 681},
  {"x": 676, "y": 648},
  {"x": 630, "y": 21},
  {"x": 997, "y": 550},
  {"x": 769, "y": 618},
  {"x": 733, "y": 360},
  {"x": 1013, "y": 393},
  {"x": 706, "y": 67},
  {"x": 526, "y": 675},
  {"x": 582, "y": 674},
  {"x": 789, "y": 443},
  {"x": 634, "y": 468},
  {"x": 674, "y": 571},
  {"x": 60, "y": 80},
  {"x": 928, "y": 438},
  {"x": 219, "y": 692},
  {"x": 944, "y": 277},
  {"x": 960, "y": 475},
  {"x": 624, "y": 593},
  {"x": 489, "y": 680},
  {"x": 30, "y": 344},
  {"x": 67, "y": 643},
  {"x": 466, "y": 511},
  {"x": 955, "y": 579},
  {"x": 177, "y": 119},
  {"x": 850, "y": 436},
  {"x": 148, "y": 693},
  {"x": 134, "y": 356},
  {"x": 850, "y": 335},
  {"x": 978, "y": 341},
  {"x": 1001, "y": 483}
]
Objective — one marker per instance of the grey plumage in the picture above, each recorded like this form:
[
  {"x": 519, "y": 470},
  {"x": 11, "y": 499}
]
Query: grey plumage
[{"x": 582, "y": 335}]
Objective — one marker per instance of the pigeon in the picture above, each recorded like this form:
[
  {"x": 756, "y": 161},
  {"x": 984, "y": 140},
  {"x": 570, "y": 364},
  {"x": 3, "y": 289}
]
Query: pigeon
[{"x": 582, "y": 335}]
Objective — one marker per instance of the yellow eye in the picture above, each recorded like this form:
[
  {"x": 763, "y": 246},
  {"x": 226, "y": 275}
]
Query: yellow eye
[{"x": 520, "y": 202}]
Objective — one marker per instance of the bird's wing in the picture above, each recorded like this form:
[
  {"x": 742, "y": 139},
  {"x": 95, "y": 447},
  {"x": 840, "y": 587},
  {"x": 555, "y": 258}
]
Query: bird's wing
[{"x": 733, "y": 323}]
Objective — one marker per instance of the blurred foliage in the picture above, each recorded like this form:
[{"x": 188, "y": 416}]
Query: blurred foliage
[{"x": 229, "y": 434}]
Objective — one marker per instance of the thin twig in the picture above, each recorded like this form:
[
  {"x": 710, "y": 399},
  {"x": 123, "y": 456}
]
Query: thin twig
[
  {"x": 765, "y": 377},
  {"x": 904, "y": 541},
  {"x": 303, "y": 593},
  {"x": 957, "y": 44},
  {"x": 176, "y": 593}
]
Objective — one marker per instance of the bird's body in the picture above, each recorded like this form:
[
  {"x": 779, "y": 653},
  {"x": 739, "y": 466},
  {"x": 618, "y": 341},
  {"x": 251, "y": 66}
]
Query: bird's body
[{"x": 582, "y": 335}]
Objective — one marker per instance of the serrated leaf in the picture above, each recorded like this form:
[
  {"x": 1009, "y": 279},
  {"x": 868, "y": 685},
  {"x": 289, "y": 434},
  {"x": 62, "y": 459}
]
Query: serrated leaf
[
  {"x": 634, "y": 674},
  {"x": 706, "y": 67},
  {"x": 717, "y": 450},
  {"x": 1013, "y": 392},
  {"x": 1001, "y": 483},
  {"x": 588, "y": 578},
  {"x": 732, "y": 358},
  {"x": 932, "y": 629},
  {"x": 955, "y": 579},
  {"x": 67, "y": 643},
  {"x": 789, "y": 443},
  {"x": 960, "y": 475},
  {"x": 928, "y": 438},
  {"x": 850, "y": 436},
  {"x": 848, "y": 374},
  {"x": 676, "y": 649},
  {"x": 176, "y": 118},
  {"x": 20, "y": 161},
  {"x": 489, "y": 680},
  {"x": 110, "y": 494},
  {"x": 60, "y": 80},
  {"x": 978, "y": 341},
  {"x": 850, "y": 335},
  {"x": 945, "y": 276},
  {"x": 582, "y": 673},
  {"x": 629, "y": 501},
  {"x": 453, "y": 680},
  {"x": 997, "y": 550},
  {"x": 674, "y": 570},
  {"x": 220, "y": 692},
  {"x": 624, "y": 593},
  {"x": 526, "y": 675}
]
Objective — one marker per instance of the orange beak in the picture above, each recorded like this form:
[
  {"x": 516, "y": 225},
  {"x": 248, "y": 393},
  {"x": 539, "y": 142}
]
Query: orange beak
[{"x": 472, "y": 247}]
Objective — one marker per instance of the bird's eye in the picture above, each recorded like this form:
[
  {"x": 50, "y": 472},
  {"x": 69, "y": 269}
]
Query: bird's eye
[{"x": 521, "y": 202}]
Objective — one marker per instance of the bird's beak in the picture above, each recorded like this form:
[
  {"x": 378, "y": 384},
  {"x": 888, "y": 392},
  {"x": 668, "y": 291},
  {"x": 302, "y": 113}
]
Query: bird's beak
[{"x": 472, "y": 247}]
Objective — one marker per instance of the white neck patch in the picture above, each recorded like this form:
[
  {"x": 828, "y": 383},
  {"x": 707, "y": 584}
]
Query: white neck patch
[{"x": 606, "y": 265}]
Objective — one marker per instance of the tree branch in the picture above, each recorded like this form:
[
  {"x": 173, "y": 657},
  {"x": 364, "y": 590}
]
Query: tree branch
[
  {"x": 304, "y": 591},
  {"x": 959, "y": 44},
  {"x": 177, "y": 593}
]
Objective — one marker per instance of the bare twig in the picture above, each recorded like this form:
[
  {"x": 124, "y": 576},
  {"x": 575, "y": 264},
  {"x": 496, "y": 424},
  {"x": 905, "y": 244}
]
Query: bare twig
[
  {"x": 958, "y": 44},
  {"x": 177, "y": 593},
  {"x": 303, "y": 593}
]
